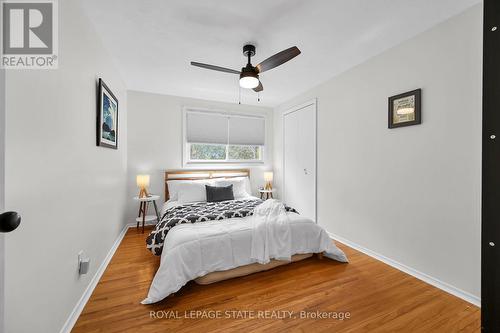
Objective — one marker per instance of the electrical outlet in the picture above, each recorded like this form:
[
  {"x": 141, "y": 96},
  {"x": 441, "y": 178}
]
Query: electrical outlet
[{"x": 83, "y": 263}]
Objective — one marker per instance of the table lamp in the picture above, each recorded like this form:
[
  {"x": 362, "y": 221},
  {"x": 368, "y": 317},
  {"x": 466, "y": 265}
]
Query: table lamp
[
  {"x": 268, "y": 177},
  {"x": 142, "y": 184}
]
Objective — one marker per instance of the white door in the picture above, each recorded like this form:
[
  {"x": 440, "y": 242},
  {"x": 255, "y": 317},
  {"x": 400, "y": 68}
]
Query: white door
[
  {"x": 299, "y": 159},
  {"x": 2, "y": 197}
]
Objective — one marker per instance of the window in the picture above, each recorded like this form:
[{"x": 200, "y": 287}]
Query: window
[
  {"x": 243, "y": 152},
  {"x": 211, "y": 137},
  {"x": 207, "y": 152}
]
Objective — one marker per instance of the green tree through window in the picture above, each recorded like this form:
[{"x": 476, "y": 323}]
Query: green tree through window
[
  {"x": 210, "y": 152},
  {"x": 244, "y": 153}
]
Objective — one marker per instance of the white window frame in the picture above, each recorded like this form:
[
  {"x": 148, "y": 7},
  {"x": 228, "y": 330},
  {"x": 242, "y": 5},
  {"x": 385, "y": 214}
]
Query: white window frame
[{"x": 186, "y": 161}]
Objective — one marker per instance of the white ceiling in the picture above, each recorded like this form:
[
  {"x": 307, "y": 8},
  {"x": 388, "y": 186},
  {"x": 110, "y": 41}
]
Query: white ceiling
[{"x": 153, "y": 41}]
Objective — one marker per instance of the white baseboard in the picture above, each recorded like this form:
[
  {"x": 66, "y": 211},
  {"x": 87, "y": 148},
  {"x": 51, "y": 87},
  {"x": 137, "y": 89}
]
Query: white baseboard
[
  {"x": 413, "y": 272},
  {"x": 77, "y": 310}
]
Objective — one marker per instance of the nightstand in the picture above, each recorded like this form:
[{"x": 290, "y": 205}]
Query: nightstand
[
  {"x": 267, "y": 193},
  {"x": 143, "y": 210}
]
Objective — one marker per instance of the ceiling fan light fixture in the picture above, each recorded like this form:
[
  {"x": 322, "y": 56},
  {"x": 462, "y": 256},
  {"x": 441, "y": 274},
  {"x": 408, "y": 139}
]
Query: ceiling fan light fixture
[
  {"x": 249, "y": 80},
  {"x": 249, "y": 75}
]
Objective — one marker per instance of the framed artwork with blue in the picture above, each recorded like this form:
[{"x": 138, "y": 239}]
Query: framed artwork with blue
[{"x": 107, "y": 117}]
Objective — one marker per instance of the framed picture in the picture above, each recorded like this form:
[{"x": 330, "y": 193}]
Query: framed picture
[
  {"x": 107, "y": 117},
  {"x": 405, "y": 109}
]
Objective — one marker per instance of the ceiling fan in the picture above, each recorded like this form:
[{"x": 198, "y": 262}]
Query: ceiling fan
[{"x": 249, "y": 75}]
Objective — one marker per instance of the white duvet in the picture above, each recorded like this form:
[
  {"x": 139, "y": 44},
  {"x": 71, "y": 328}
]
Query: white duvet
[{"x": 194, "y": 250}]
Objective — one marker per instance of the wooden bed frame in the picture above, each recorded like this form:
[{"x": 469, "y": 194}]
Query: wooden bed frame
[{"x": 238, "y": 271}]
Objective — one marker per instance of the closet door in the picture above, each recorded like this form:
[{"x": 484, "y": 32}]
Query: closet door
[{"x": 299, "y": 159}]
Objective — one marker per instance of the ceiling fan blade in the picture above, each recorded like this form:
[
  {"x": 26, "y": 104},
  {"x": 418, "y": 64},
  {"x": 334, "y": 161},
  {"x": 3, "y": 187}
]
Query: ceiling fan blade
[
  {"x": 259, "y": 87},
  {"x": 215, "y": 68},
  {"x": 278, "y": 59}
]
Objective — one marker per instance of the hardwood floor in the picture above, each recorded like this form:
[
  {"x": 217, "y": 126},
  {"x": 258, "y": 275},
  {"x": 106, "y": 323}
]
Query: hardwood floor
[{"x": 377, "y": 297}]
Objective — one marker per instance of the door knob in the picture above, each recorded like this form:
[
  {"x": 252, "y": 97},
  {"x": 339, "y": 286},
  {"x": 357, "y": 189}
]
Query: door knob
[{"x": 9, "y": 221}]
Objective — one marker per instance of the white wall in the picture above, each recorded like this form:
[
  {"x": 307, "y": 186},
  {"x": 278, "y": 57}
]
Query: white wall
[
  {"x": 155, "y": 139},
  {"x": 71, "y": 194},
  {"x": 411, "y": 194}
]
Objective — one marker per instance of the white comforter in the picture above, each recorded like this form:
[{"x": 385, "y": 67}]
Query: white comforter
[{"x": 194, "y": 250}]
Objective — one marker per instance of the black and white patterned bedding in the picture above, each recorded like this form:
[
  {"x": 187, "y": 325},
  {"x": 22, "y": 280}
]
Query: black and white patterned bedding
[{"x": 200, "y": 212}]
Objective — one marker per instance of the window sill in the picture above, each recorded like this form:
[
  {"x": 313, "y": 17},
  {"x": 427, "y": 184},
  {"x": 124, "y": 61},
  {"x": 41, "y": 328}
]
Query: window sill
[{"x": 223, "y": 163}]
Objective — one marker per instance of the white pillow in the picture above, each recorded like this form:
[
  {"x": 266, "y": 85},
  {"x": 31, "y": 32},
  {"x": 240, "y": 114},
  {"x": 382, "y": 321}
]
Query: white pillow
[
  {"x": 239, "y": 186},
  {"x": 248, "y": 187},
  {"x": 173, "y": 186},
  {"x": 191, "y": 192}
]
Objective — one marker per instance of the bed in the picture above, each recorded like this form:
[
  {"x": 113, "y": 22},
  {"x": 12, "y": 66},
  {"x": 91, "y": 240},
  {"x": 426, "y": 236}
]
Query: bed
[{"x": 221, "y": 244}]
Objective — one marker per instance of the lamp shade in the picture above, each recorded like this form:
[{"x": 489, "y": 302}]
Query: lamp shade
[
  {"x": 142, "y": 181},
  {"x": 268, "y": 176}
]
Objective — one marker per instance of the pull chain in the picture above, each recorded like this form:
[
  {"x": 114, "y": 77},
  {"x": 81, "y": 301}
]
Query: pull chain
[
  {"x": 258, "y": 96},
  {"x": 239, "y": 96}
]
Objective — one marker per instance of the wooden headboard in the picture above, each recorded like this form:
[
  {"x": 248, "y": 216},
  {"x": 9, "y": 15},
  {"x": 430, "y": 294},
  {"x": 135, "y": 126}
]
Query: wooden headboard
[{"x": 202, "y": 174}]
